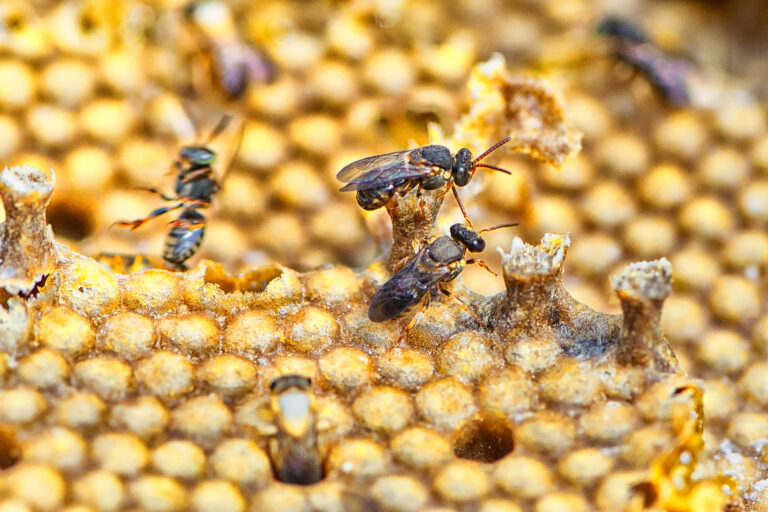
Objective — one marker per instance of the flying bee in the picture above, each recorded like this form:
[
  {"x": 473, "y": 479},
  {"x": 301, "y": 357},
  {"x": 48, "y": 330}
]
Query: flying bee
[
  {"x": 441, "y": 260},
  {"x": 378, "y": 178},
  {"x": 233, "y": 63},
  {"x": 294, "y": 451},
  {"x": 196, "y": 185},
  {"x": 667, "y": 75}
]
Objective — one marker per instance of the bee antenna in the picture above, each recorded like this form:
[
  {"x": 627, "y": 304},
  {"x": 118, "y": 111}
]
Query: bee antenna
[
  {"x": 499, "y": 226},
  {"x": 220, "y": 126},
  {"x": 488, "y": 166},
  {"x": 490, "y": 150},
  {"x": 461, "y": 205}
]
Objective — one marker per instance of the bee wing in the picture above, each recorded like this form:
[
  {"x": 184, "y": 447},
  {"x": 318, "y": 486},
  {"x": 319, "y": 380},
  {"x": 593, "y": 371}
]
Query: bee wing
[
  {"x": 380, "y": 170},
  {"x": 403, "y": 290}
]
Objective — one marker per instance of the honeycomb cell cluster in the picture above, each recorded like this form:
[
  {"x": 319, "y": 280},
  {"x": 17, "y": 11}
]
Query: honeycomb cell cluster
[
  {"x": 125, "y": 386},
  {"x": 151, "y": 389}
]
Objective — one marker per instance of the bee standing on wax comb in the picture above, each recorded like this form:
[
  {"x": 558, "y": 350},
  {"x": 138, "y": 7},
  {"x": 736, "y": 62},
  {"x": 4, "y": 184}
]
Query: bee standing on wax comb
[
  {"x": 232, "y": 62},
  {"x": 378, "y": 178},
  {"x": 669, "y": 76},
  {"x": 294, "y": 451},
  {"x": 441, "y": 260},
  {"x": 196, "y": 184}
]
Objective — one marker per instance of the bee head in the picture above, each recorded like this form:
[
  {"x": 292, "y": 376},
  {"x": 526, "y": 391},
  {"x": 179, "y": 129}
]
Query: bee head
[
  {"x": 462, "y": 167},
  {"x": 468, "y": 237},
  {"x": 286, "y": 382},
  {"x": 198, "y": 155},
  {"x": 612, "y": 26}
]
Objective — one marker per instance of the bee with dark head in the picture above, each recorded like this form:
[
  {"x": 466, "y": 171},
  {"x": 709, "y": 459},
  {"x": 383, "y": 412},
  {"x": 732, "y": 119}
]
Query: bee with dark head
[
  {"x": 196, "y": 185},
  {"x": 294, "y": 451},
  {"x": 378, "y": 178},
  {"x": 439, "y": 261},
  {"x": 667, "y": 75},
  {"x": 233, "y": 63}
]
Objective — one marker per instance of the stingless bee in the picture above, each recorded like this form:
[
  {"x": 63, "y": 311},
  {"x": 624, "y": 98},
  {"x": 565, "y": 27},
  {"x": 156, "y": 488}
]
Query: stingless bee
[
  {"x": 294, "y": 451},
  {"x": 378, "y": 178},
  {"x": 196, "y": 184},
  {"x": 233, "y": 62},
  {"x": 669, "y": 76},
  {"x": 441, "y": 260}
]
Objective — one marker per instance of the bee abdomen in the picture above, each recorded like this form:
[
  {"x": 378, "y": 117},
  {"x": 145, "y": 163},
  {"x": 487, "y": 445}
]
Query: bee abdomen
[
  {"x": 182, "y": 242},
  {"x": 373, "y": 199}
]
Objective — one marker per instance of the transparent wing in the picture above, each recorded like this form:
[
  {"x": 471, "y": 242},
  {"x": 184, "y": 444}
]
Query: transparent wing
[
  {"x": 381, "y": 170},
  {"x": 403, "y": 290}
]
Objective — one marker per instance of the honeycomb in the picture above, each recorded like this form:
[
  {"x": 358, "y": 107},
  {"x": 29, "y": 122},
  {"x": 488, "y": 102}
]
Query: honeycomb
[{"x": 126, "y": 386}]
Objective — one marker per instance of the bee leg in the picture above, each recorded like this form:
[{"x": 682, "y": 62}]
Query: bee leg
[
  {"x": 157, "y": 193},
  {"x": 461, "y": 205},
  {"x": 187, "y": 224},
  {"x": 424, "y": 304},
  {"x": 422, "y": 204},
  {"x": 194, "y": 203},
  {"x": 392, "y": 207},
  {"x": 460, "y": 302},
  {"x": 134, "y": 224},
  {"x": 176, "y": 168},
  {"x": 441, "y": 195},
  {"x": 400, "y": 264},
  {"x": 199, "y": 173},
  {"x": 482, "y": 265}
]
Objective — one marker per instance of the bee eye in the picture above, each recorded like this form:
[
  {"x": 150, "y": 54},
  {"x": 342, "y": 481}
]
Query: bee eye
[{"x": 478, "y": 245}]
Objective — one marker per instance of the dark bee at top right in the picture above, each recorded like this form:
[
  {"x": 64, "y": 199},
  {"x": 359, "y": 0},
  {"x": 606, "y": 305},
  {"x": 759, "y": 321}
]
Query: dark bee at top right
[{"x": 668, "y": 76}]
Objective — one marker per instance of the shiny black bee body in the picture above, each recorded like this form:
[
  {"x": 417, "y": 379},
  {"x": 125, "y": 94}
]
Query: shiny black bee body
[
  {"x": 295, "y": 453},
  {"x": 184, "y": 238},
  {"x": 668, "y": 75},
  {"x": 438, "y": 262},
  {"x": 196, "y": 185},
  {"x": 378, "y": 178}
]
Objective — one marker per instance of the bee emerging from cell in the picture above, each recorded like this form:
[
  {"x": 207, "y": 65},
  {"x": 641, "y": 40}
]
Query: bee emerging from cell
[
  {"x": 294, "y": 451},
  {"x": 438, "y": 262},
  {"x": 378, "y": 179},
  {"x": 196, "y": 185}
]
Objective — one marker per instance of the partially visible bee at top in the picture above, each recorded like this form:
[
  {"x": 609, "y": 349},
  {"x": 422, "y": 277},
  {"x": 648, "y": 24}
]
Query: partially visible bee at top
[
  {"x": 378, "y": 178},
  {"x": 294, "y": 450},
  {"x": 196, "y": 184},
  {"x": 232, "y": 62},
  {"x": 439, "y": 261},
  {"x": 668, "y": 75}
]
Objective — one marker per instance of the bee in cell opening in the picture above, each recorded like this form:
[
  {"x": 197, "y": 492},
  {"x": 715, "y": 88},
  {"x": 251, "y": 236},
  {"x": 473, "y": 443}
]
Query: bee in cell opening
[
  {"x": 294, "y": 450},
  {"x": 438, "y": 262},
  {"x": 377, "y": 179},
  {"x": 196, "y": 185}
]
